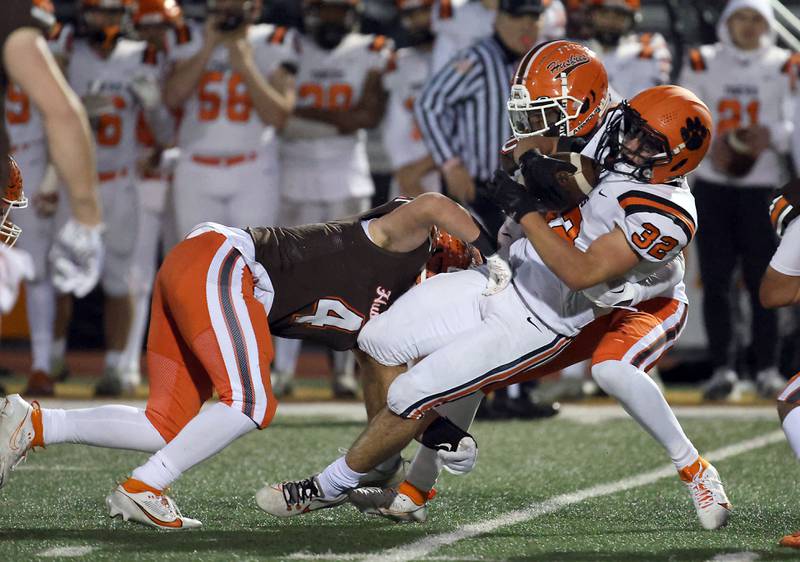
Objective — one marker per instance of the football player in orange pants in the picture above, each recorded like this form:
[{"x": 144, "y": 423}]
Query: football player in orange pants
[
  {"x": 218, "y": 297},
  {"x": 780, "y": 286}
]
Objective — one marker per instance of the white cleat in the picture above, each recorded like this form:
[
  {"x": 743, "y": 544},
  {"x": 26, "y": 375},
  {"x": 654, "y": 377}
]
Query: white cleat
[
  {"x": 16, "y": 433},
  {"x": 135, "y": 501},
  {"x": 710, "y": 501},
  {"x": 389, "y": 503},
  {"x": 295, "y": 498},
  {"x": 385, "y": 478}
]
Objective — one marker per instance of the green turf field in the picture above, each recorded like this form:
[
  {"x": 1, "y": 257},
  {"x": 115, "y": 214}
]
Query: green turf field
[{"x": 535, "y": 495}]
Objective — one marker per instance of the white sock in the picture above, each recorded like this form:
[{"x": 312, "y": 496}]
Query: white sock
[
  {"x": 425, "y": 469},
  {"x": 40, "y": 301},
  {"x": 426, "y": 466},
  {"x": 204, "y": 436},
  {"x": 338, "y": 478},
  {"x": 58, "y": 350},
  {"x": 576, "y": 371},
  {"x": 116, "y": 427},
  {"x": 286, "y": 353},
  {"x": 112, "y": 359},
  {"x": 643, "y": 400},
  {"x": 132, "y": 354},
  {"x": 791, "y": 427}
]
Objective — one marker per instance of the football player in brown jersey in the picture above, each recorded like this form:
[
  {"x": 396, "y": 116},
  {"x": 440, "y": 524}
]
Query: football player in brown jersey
[{"x": 219, "y": 296}]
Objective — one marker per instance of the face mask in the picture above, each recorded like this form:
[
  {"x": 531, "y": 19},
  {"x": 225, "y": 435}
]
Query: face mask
[
  {"x": 329, "y": 35},
  {"x": 608, "y": 38},
  {"x": 230, "y": 21}
]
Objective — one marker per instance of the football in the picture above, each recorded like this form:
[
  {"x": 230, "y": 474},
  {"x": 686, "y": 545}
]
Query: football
[
  {"x": 743, "y": 160},
  {"x": 577, "y": 185}
]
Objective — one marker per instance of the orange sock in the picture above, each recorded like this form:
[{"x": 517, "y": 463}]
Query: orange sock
[
  {"x": 36, "y": 420},
  {"x": 688, "y": 472},
  {"x": 137, "y": 486},
  {"x": 417, "y": 496}
]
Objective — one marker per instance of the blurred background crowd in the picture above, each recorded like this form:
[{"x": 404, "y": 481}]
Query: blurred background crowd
[{"x": 289, "y": 112}]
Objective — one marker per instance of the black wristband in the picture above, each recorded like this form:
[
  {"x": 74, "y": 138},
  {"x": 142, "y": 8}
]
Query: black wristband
[
  {"x": 443, "y": 435},
  {"x": 485, "y": 244}
]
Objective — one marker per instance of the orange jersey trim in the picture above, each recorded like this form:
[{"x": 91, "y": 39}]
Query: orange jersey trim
[{"x": 638, "y": 201}]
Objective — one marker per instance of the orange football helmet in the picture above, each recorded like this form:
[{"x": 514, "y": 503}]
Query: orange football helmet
[
  {"x": 408, "y": 5},
  {"x": 659, "y": 136},
  {"x": 448, "y": 253},
  {"x": 13, "y": 198},
  {"x": 560, "y": 88},
  {"x": 630, "y": 5},
  {"x": 156, "y": 12}
]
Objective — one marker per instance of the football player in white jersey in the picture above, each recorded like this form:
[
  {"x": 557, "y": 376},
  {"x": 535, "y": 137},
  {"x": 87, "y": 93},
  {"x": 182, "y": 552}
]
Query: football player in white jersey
[
  {"x": 780, "y": 286},
  {"x": 413, "y": 167},
  {"x": 458, "y": 24},
  {"x": 234, "y": 81},
  {"x": 634, "y": 61},
  {"x": 325, "y": 169},
  {"x": 638, "y": 219},
  {"x": 104, "y": 69},
  {"x": 753, "y": 109},
  {"x": 160, "y": 24}
]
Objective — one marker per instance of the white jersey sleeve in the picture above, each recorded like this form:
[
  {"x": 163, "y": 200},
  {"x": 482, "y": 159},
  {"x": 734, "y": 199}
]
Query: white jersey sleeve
[
  {"x": 656, "y": 228},
  {"x": 184, "y": 42},
  {"x": 787, "y": 257}
]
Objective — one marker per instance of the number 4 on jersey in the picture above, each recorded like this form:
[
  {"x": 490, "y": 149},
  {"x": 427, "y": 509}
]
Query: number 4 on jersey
[{"x": 332, "y": 313}]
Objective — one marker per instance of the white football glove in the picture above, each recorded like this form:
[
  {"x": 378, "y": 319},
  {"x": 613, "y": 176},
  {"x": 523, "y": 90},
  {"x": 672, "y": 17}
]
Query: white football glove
[
  {"x": 630, "y": 294},
  {"x": 77, "y": 258},
  {"x": 463, "y": 459},
  {"x": 15, "y": 266},
  {"x": 499, "y": 274},
  {"x": 146, "y": 90}
]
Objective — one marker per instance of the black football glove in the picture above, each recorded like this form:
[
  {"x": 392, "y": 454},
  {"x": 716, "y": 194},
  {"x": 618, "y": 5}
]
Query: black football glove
[
  {"x": 540, "y": 174},
  {"x": 512, "y": 198}
]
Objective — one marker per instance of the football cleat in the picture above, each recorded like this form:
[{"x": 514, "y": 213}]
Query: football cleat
[
  {"x": 710, "y": 501},
  {"x": 792, "y": 541},
  {"x": 18, "y": 433},
  {"x": 770, "y": 383},
  {"x": 385, "y": 478},
  {"x": 389, "y": 503},
  {"x": 721, "y": 385},
  {"x": 136, "y": 501},
  {"x": 295, "y": 498}
]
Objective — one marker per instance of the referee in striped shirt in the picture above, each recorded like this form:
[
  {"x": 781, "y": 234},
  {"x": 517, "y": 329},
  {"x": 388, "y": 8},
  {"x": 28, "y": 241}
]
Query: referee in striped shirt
[{"x": 462, "y": 113}]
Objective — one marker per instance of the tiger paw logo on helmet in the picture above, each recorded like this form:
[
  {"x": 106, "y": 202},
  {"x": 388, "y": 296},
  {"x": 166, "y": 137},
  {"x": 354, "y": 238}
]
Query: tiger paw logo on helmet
[{"x": 694, "y": 133}]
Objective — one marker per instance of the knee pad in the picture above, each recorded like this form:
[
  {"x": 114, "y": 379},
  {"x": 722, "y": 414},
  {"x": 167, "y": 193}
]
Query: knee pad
[{"x": 611, "y": 375}]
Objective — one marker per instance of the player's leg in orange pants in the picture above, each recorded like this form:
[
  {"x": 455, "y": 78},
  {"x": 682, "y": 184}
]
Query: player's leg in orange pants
[{"x": 208, "y": 333}]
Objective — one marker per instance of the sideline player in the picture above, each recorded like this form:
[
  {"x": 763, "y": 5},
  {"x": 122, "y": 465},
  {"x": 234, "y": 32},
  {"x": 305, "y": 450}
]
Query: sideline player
[
  {"x": 160, "y": 24},
  {"x": 234, "y": 81},
  {"x": 325, "y": 171},
  {"x": 634, "y": 61},
  {"x": 639, "y": 218},
  {"x": 218, "y": 296},
  {"x": 40, "y": 87},
  {"x": 109, "y": 71},
  {"x": 780, "y": 286}
]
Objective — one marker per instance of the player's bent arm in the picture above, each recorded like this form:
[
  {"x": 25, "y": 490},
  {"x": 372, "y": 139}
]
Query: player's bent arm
[
  {"x": 608, "y": 257},
  {"x": 778, "y": 289},
  {"x": 31, "y": 65},
  {"x": 409, "y": 177},
  {"x": 273, "y": 98},
  {"x": 366, "y": 114},
  {"x": 185, "y": 76},
  {"x": 408, "y": 226}
]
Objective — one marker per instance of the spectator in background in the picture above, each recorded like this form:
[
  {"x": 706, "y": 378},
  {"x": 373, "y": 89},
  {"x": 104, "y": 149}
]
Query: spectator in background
[
  {"x": 753, "y": 113},
  {"x": 458, "y": 24},
  {"x": 326, "y": 174},
  {"x": 414, "y": 169},
  {"x": 634, "y": 61}
]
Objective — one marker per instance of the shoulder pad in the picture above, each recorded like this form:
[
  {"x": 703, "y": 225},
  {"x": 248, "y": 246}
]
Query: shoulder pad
[
  {"x": 644, "y": 202},
  {"x": 697, "y": 61},
  {"x": 277, "y": 36}
]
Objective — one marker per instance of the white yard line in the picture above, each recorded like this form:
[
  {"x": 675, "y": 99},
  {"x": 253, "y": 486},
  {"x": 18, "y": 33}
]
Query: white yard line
[
  {"x": 67, "y": 551},
  {"x": 424, "y": 547}
]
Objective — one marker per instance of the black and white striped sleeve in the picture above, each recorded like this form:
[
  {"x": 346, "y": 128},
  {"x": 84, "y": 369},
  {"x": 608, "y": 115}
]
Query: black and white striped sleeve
[{"x": 438, "y": 106}]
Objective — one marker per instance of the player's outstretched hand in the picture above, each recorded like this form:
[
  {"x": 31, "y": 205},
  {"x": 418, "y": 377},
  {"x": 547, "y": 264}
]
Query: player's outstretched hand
[
  {"x": 512, "y": 197},
  {"x": 463, "y": 459},
  {"x": 15, "y": 266},
  {"x": 77, "y": 258},
  {"x": 540, "y": 173},
  {"x": 456, "y": 448},
  {"x": 499, "y": 274}
]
